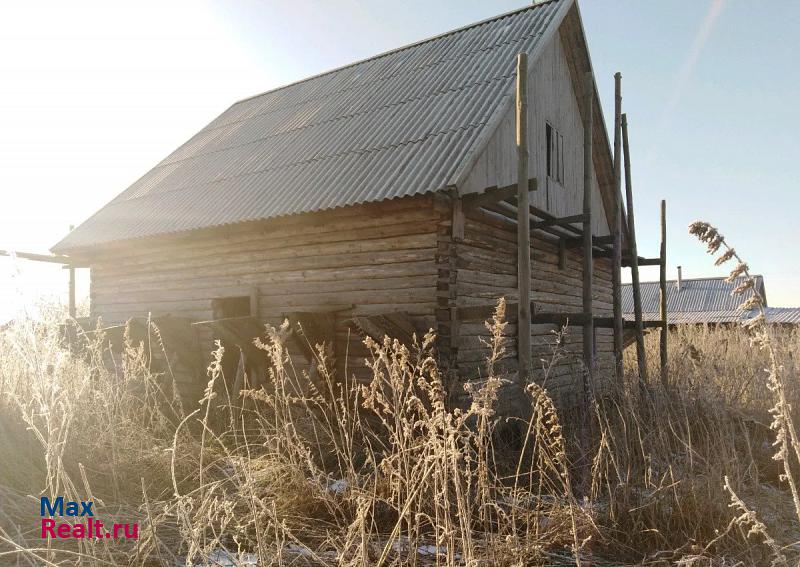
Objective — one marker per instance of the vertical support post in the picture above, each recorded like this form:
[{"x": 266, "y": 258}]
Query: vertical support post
[
  {"x": 523, "y": 225},
  {"x": 72, "y": 307},
  {"x": 616, "y": 268},
  {"x": 663, "y": 294},
  {"x": 457, "y": 235},
  {"x": 254, "y": 301},
  {"x": 588, "y": 267},
  {"x": 641, "y": 356}
]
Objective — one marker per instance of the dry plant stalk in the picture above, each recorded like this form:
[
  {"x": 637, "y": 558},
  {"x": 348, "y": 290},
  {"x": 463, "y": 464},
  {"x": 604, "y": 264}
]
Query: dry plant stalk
[
  {"x": 786, "y": 438},
  {"x": 327, "y": 470}
]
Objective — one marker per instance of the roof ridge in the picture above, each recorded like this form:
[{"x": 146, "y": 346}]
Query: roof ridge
[{"x": 532, "y": 6}]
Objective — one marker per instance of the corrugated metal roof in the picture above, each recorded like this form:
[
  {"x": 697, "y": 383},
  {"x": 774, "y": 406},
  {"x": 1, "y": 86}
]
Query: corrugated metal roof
[
  {"x": 391, "y": 126},
  {"x": 701, "y": 294},
  {"x": 784, "y": 315},
  {"x": 775, "y": 315}
]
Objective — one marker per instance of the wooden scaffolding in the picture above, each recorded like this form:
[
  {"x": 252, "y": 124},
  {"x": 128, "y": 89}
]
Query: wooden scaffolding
[{"x": 575, "y": 231}]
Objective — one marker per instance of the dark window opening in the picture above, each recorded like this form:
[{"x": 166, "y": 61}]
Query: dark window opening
[
  {"x": 555, "y": 154},
  {"x": 225, "y": 307}
]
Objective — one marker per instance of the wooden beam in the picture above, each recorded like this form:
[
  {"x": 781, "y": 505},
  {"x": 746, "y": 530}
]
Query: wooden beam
[
  {"x": 458, "y": 219},
  {"x": 54, "y": 259},
  {"x": 494, "y": 194},
  {"x": 254, "y": 301},
  {"x": 662, "y": 282},
  {"x": 523, "y": 225},
  {"x": 561, "y": 319},
  {"x": 73, "y": 310},
  {"x": 627, "y": 261},
  {"x": 641, "y": 355},
  {"x": 616, "y": 230},
  {"x": 588, "y": 267},
  {"x": 558, "y": 221},
  {"x": 579, "y": 241}
]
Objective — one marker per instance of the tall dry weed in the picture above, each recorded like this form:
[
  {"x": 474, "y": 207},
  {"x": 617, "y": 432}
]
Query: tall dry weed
[{"x": 320, "y": 469}]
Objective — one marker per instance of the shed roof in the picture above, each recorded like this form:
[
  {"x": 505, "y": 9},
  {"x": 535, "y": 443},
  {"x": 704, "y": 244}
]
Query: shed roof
[
  {"x": 697, "y": 300},
  {"x": 775, "y": 315},
  {"x": 394, "y": 125}
]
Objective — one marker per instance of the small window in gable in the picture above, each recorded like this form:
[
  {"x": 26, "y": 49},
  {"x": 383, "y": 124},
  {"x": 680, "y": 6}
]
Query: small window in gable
[{"x": 555, "y": 154}]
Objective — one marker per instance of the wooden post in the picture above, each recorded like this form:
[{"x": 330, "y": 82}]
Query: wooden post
[
  {"x": 523, "y": 225},
  {"x": 663, "y": 294},
  {"x": 588, "y": 326},
  {"x": 616, "y": 268},
  {"x": 641, "y": 356},
  {"x": 72, "y": 307},
  {"x": 254, "y": 301}
]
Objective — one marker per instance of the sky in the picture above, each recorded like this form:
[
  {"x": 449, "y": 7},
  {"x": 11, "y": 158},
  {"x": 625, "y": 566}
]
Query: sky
[{"x": 94, "y": 93}]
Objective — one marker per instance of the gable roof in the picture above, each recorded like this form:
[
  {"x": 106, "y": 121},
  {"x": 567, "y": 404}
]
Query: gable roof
[
  {"x": 394, "y": 125},
  {"x": 700, "y": 295}
]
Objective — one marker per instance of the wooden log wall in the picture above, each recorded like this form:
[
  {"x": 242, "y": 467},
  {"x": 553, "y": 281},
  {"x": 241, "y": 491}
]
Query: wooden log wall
[
  {"x": 368, "y": 259},
  {"x": 486, "y": 265}
]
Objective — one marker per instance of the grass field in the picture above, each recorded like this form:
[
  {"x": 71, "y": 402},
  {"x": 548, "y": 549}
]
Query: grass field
[{"x": 328, "y": 473}]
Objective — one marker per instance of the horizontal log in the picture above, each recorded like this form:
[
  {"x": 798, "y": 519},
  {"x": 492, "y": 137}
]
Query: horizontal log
[
  {"x": 626, "y": 261},
  {"x": 320, "y": 222},
  {"x": 52, "y": 259},
  {"x": 563, "y": 221}
]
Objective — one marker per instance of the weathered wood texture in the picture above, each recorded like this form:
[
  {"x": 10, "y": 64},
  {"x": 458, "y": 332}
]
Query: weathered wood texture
[
  {"x": 425, "y": 256},
  {"x": 587, "y": 285},
  {"x": 662, "y": 279},
  {"x": 370, "y": 259},
  {"x": 616, "y": 228},
  {"x": 551, "y": 98},
  {"x": 634, "y": 254},
  {"x": 523, "y": 222},
  {"x": 486, "y": 264}
]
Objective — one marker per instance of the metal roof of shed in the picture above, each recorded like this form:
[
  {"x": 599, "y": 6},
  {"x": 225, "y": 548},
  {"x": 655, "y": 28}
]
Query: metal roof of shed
[
  {"x": 775, "y": 315},
  {"x": 391, "y": 126},
  {"x": 699, "y": 295}
]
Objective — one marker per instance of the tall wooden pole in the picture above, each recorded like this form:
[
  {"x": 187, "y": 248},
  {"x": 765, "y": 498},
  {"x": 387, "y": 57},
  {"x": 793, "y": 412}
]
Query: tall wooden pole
[
  {"x": 588, "y": 326},
  {"x": 663, "y": 294},
  {"x": 637, "y": 292},
  {"x": 523, "y": 225},
  {"x": 616, "y": 269},
  {"x": 72, "y": 308}
]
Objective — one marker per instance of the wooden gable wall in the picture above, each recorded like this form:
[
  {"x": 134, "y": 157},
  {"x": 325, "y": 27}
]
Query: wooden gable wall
[{"x": 552, "y": 98}]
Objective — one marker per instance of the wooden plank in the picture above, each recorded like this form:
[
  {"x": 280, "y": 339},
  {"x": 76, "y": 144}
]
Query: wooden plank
[
  {"x": 523, "y": 225},
  {"x": 641, "y": 355},
  {"x": 562, "y": 221},
  {"x": 54, "y": 259},
  {"x": 254, "y": 301},
  {"x": 616, "y": 229},
  {"x": 628, "y": 261},
  {"x": 71, "y": 301},
  {"x": 662, "y": 283},
  {"x": 561, "y": 319},
  {"x": 458, "y": 219},
  {"x": 588, "y": 327},
  {"x": 597, "y": 241}
]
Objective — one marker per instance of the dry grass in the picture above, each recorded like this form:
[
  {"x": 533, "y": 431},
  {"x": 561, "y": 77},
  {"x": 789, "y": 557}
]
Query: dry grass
[{"x": 328, "y": 472}]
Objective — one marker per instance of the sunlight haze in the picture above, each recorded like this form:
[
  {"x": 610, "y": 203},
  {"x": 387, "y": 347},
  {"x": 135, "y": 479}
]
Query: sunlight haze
[{"x": 94, "y": 94}]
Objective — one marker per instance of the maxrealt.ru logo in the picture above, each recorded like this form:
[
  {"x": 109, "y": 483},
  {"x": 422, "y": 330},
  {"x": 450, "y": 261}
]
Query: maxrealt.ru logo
[{"x": 87, "y": 528}]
